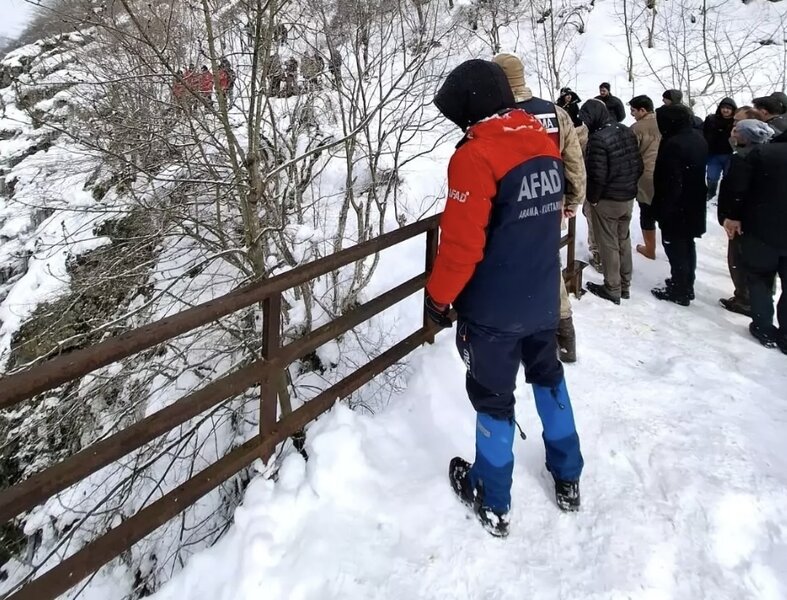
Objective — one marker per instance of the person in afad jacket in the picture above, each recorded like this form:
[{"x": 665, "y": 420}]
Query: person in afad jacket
[
  {"x": 569, "y": 102},
  {"x": 717, "y": 130},
  {"x": 648, "y": 138},
  {"x": 559, "y": 127},
  {"x": 613, "y": 103},
  {"x": 754, "y": 208},
  {"x": 679, "y": 199},
  {"x": 498, "y": 265},
  {"x": 748, "y": 133},
  {"x": 613, "y": 167}
]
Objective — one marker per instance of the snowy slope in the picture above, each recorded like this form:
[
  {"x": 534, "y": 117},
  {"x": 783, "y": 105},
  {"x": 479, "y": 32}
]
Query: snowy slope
[{"x": 682, "y": 419}]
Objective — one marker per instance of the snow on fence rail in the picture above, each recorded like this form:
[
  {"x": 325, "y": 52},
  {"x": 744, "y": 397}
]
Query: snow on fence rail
[{"x": 266, "y": 372}]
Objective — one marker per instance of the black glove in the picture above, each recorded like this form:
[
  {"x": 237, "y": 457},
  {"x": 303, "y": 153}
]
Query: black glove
[{"x": 437, "y": 313}]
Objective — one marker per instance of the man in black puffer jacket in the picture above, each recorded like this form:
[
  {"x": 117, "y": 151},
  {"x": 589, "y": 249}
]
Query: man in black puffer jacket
[
  {"x": 614, "y": 166},
  {"x": 679, "y": 199},
  {"x": 756, "y": 209},
  {"x": 717, "y": 131}
]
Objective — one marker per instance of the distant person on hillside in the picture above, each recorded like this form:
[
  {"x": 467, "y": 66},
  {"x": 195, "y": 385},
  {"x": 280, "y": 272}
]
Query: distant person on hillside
[
  {"x": 613, "y": 103},
  {"x": 670, "y": 97},
  {"x": 770, "y": 112},
  {"x": 498, "y": 264},
  {"x": 569, "y": 102},
  {"x": 560, "y": 128},
  {"x": 679, "y": 199},
  {"x": 754, "y": 208},
  {"x": 614, "y": 167},
  {"x": 748, "y": 133},
  {"x": 206, "y": 84},
  {"x": 717, "y": 131},
  {"x": 648, "y": 137}
]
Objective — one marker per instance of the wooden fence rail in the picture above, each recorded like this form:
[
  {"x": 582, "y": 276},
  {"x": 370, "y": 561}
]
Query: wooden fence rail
[{"x": 267, "y": 372}]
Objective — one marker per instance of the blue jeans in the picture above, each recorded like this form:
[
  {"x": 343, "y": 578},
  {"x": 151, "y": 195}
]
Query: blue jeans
[{"x": 717, "y": 165}]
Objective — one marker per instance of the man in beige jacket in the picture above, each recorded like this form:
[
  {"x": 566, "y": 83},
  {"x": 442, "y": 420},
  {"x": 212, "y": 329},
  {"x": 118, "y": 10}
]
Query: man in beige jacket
[
  {"x": 560, "y": 128},
  {"x": 648, "y": 137}
]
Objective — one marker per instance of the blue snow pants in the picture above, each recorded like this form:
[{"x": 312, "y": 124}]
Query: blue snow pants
[{"x": 492, "y": 363}]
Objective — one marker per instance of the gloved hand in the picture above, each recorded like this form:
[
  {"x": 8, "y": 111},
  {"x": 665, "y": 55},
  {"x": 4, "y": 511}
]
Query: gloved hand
[{"x": 437, "y": 312}]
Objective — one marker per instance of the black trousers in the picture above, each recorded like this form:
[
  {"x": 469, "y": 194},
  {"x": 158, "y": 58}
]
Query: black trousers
[
  {"x": 682, "y": 255},
  {"x": 647, "y": 222},
  {"x": 738, "y": 270},
  {"x": 763, "y": 263}
]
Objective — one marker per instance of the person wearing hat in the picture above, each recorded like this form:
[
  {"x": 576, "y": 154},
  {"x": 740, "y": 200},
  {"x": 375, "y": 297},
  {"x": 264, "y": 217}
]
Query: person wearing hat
[
  {"x": 679, "y": 199},
  {"x": 498, "y": 265},
  {"x": 559, "y": 127},
  {"x": 770, "y": 110},
  {"x": 613, "y": 103},
  {"x": 569, "y": 101},
  {"x": 751, "y": 133},
  {"x": 753, "y": 208},
  {"x": 717, "y": 130},
  {"x": 671, "y": 97}
]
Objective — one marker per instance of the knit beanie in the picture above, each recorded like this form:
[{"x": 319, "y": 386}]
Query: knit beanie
[
  {"x": 754, "y": 131},
  {"x": 515, "y": 72},
  {"x": 605, "y": 85}
]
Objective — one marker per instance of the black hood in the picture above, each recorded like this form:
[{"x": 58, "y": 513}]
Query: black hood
[
  {"x": 673, "y": 119},
  {"x": 676, "y": 96},
  {"x": 726, "y": 102},
  {"x": 595, "y": 115},
  {"x": 473, "y": 91}
]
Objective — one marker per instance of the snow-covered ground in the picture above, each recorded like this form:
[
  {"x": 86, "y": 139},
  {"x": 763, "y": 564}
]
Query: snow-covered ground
[{"x": 682, "y": 418}]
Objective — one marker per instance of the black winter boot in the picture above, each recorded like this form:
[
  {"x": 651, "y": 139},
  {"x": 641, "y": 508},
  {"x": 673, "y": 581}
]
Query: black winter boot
[
  {"x": 567, "y": 495},
  {"x": 767, "y": 336},
  {"x": 494, "y": 522},
  {"x": 567, "y": 341},
  {"x": 671, "y": 295},
  {"x": 600, "y": 291}
]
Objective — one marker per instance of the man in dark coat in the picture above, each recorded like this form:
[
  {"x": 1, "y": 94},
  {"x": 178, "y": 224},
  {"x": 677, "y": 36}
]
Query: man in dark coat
[
  {"x": 717, "y": 131},
  {"x": 498, "y": 264},
  {"x": 614, "y": 166},
  {"x": 756, "y": 210},
  {"x": 770, "y": 109},
  {"x": 569, "y": 102},
  {"x": 670, "y": 97},
  {"x": 679, "y": 199},
  {"x": 613, "y": 103},
  {"x": 747, "y": 134}
]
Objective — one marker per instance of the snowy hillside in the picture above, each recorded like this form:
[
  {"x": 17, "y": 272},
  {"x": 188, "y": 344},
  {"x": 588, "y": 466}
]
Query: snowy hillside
[{"x": 118, "y": 207}]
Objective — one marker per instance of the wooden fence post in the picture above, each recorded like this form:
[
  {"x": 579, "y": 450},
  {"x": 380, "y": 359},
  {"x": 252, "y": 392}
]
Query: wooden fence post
[
  {"x": 269, "y": 386},
  {"x": 432, "y": 240}
]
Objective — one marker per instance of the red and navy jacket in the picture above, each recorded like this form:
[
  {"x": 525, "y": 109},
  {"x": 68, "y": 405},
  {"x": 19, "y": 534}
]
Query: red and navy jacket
[{"x": 498, "y": 260}]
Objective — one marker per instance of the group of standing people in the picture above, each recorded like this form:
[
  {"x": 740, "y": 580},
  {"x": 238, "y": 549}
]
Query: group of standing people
[
  {"x": 672, "y": 162},
  {"x": 191, "y": 85},
  {"x": 523, "y": 166}
]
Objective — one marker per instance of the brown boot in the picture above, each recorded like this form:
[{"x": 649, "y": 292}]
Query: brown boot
[
  {"x": 649, "y": 249},
  {"x": 567, "y": 341}
]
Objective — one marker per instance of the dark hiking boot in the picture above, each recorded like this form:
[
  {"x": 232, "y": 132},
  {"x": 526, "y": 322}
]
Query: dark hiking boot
[
  {"x": 625, "y": 295},
  {"x": 767, "y": 336},
  {"x": 670, "y": 295},
  {"x": 735, "y": 306},
  {"x": 567, "y": 495},
  {"x": 668, "y": 283},
  {"x": 600, "y": 291},
  {"x": 495, "y": 523},
  {"x": 782, "y": 342},
  {"x": 567, "y": 341}
]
